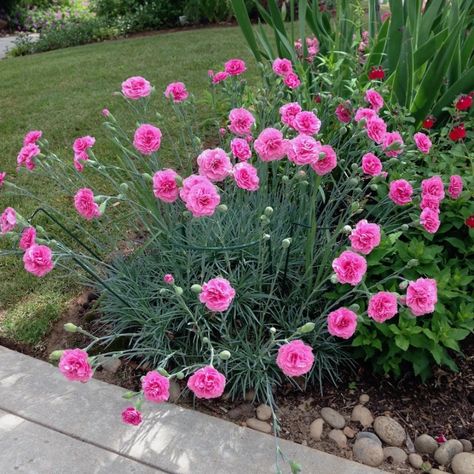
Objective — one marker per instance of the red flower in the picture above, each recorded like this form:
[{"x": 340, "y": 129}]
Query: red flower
[
  {"x": 470, "y": 222},
  {"x": 317, "y": 99},
  {"x": 429, "y": 121},
  {"x": 376, "y": 72},
  {"x": 464, "y": 102},
  {"x": 441, "y": 438},
  {"x": 457, "y": 133}
]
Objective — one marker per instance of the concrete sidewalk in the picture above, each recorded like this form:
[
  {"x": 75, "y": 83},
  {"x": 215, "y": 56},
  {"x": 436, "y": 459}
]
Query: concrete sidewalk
[{"x": 51, "y": 426}]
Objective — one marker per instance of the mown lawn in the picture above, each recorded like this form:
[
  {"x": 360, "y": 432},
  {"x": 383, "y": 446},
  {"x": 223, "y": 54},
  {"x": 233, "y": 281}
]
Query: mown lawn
[{"x": 62, "y": 93}]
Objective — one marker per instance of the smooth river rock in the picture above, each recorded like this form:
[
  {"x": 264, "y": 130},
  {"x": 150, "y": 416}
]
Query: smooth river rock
[
  {"x": 426, "y": 444},
  {"x": 447, "y": 451},
  {"x": 363, "y": 399},
  {"x": 463, "y": 463},
  {"x": 395, "y": 456},
  {"x": 362, "y": 414},
  {"x": 259, "y": 425},
  {"x": 338, "y": 437},
  {"x": 333, "y": 418},
  {"x": 264, "y": 412},
  {"x": 316, "y": 429},
  {"x": 389, "y": 430},
  {"x": 415, "y": 460},
  {"x": 368, "y": 434},
  {"x": 466, "y": 445},
  {"x": 368, "y": 451}
]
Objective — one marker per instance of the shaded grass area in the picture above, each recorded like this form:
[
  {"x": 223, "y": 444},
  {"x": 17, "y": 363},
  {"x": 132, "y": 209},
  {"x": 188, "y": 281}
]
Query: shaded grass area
[{"x": 62, "y": 93}]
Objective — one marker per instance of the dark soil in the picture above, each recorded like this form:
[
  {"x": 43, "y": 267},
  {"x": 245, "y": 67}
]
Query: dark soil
[{"x": 443, "y": 405}]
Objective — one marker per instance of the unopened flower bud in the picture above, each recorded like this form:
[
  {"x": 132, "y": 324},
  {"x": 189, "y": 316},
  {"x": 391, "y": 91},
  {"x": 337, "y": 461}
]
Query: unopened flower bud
[
  {"x": 347, "y": 229},
  {"x": 322, "y": 155},
  {"x": 162, "y": 291},
  {"x": 333, "y": 278},
  {"x": 180, "y": 375},
  {"x": 412, "y": 263},
  {"x": 285, "y": 178},
  {"x": 272, "y": 330},
  {"x": 403, "y": 285},
  {"x": 187, "y": 214},
  {"x": 69, "y": 327},
  {"x": 306, "y": 328},
  {"x": 354, "y": 166},
  {"x": 358, "y": 190},
  {"x": 404, "y": 227},
  {"x": 55, "y": 355},
  {"x": 304, "y": 183},
  {"x": 343, "y": 129},
  {"x": 266, "y": 236},
  {"x": 359, "y": 211},
  {"x": 393, "y": 161},
  {"x": 163, "y": 372},
  {"x": 123, "y": 187},
  {"x": 205, "y": 340},
  {"x": 196, "y": 288},
  {"x": 374, "y": 187},
  {"x": 354, "y": 307},
  {"x": 354, "y": 206},
  {"x": 224, "y": 355},
  {"x": 301, "y": 174},
  {"x": 178, "y": 290},
  {"x": 354, "y": 181},
  {"x": 178, "y": 180},
  {"x": 222, "y": 208},
  {"x": 268, "y": 211},
  {"x": 285, "y": 243},
  {"x": 147, "y": 177}
]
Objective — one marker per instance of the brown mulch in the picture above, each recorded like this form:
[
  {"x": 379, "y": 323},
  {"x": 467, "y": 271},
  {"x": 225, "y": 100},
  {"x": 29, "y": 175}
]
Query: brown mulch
[{"x": 443, "y": 405}]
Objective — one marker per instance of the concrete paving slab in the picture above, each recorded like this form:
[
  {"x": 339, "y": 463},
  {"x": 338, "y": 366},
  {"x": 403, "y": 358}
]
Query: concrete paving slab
[
  {"x": 171, "y": 438},
  {"x": 33, "y": 449}
]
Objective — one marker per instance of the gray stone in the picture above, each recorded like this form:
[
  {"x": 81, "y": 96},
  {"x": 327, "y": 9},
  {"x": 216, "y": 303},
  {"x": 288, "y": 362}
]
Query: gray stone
[
  {"x": 362, "y": 414},
  {"x": 264, "y": 412},
  {"x": 249, "y": 395},
  {"x": 426, "y": 444},
  {"x": 447, "y": 451},
  {"x": 175, "y": 391},
  {"x": 349, "y": 432},
  {"x": 463, "y": 463},
  {"x": 316, "y": 429},
  {"x": 368, "y": 434},
  {"x": 111, "y": 364},
  {"x": 466, "y": 445},
  {"x": 245, "y": 410},
  {"x": 259, "y": 425},
  {"x": 389, "y": 430},
  {"x": 367, "y": 451},
  {"x": 415, "y": 460},
  {"x": 338, "y": 437},
  {"x": 170, "y": 439},
  {"x": 395, "y": 456},
  {"x": 363, "y": 399},
  {"x": 333, "y": 418}
]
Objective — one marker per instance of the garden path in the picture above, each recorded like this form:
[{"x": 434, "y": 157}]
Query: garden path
[
  {"x": 49, "y": 425},
  {"x": 7, "y": 42}
]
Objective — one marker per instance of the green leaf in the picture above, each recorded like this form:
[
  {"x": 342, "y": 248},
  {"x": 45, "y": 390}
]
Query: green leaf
[
  {"x": 376, "y": 54},
  {"x": 427, "y": 50},
  {"x": 402, "y": 342},
  {"x": 242, "y": 16},
  {"x": 395, "y": 34},
  {"x": 403, "y": 82}
]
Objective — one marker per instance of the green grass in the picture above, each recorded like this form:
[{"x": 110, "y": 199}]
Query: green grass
[{"x": 62, "y": 93}]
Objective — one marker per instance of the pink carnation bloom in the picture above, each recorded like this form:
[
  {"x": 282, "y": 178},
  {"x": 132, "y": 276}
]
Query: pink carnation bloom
[
  {"x": 364, "y": 114},
  {"x": 392, "y": 144},
  {"x": 147, "y": 139},
  {"x": 165, "y": 186},
  {"x": 82, "y": 144},
  {"x": 422, "y": 296},
  {"x": 343, "y": 113},
  {"x": 288, "y": 113},
  {"x": 241, "y": 121},
  {"x": 28, "y": 238},
  {"x": 74, "y": 365},
  {"x": 270, "y": 145},
  {"x": 219, "y": 77},
  {"x": 7, "y": 220},
  {"x": 292, "y": 80},
  {"x": 79, "y": 160},
  {"x": 400, "y": 192},
  {"x": 382, "y": 306},
  {"x": 176, "y": 91},
  {"x": 304, "y": 150},
  {"x": 349, "y": 267},
  {"x": 202, "y": 197},
  {"x": 235, "y": 67},
  {"x": 307, "y": 123},
  {"x": 156, "y": 387},
  {"x": 455, "y": 186},
  {"x": 423, "y": 142},
  {"x": 371, "y": 165},
  {"x": 168, "y": 279},
  {"x": 3, "y": 175},
  {"x": 429, "y": 219},
  {"x": 282, "y": 67},
  {"x": 326, "y": 164},
  {"x": 214, "y": 164},
  {"x": 207, "y": 382},
  {"x": 136, "y": 87},
  {"x": 295, "y": 358},
  {"x": 27, "y": 155},
  {"x": 217, "y": 294},
  {"x": 38, "y": 260},
  {"x": 246, "y": 177},
  {"x": 189, "y": 182},
  {"x": 85, "y": 204},
  {"x": 428, "y": 201},
  {"x": 374, "y": 99},
  {"x": 365, "y": 237},
  {"x": 433, "y": 186},
  {"x": 131, "y": 416},
  {"x": 105, "y": 113},
  {"x": 376, "y": 129},
  {"x": 240, "y": 149},
  {"x": 32, "y": 137},
  {"x": 342, "y": 323}
]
